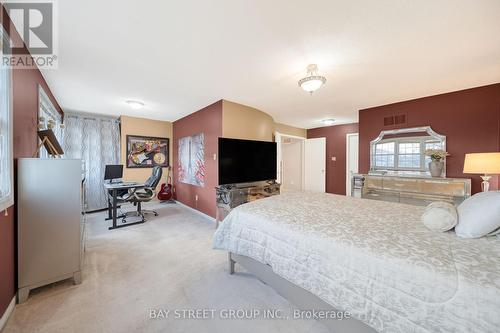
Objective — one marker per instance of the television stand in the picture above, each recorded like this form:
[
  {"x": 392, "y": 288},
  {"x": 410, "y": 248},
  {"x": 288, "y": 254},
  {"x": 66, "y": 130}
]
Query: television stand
[{"x": 233, "y": 195}]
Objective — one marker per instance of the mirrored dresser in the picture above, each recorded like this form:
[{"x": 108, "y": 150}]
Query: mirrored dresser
[
  {"x": 400, "y": 169},
  {"x": 415, "y": 190},
  {"x": 231, "y": 196}
]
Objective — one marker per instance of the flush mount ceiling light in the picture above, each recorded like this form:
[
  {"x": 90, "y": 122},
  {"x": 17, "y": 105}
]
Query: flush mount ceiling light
[
  {"x": 328, "y": 122},
  {"x": 312, "y": 81},
  {"x": 136, "y": 105}
]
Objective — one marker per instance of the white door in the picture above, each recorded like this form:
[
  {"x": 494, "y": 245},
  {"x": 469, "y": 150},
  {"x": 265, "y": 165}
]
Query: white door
[
  {"x": 352, "y": 143},
  {"x": 315, "y": 165}
]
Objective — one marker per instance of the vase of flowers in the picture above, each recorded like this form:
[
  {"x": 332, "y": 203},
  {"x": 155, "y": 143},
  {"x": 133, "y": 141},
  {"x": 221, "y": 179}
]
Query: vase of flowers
[{"x": 436, "y": 165}]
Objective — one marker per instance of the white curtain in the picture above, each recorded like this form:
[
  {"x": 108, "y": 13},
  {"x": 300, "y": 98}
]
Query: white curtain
[{"x": 95, "y": 140}]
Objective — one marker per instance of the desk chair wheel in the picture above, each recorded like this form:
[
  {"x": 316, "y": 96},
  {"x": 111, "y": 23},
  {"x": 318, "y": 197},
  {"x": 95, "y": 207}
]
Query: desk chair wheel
[
  {"x": 124, "y": 220},
  {"x": 146, "y": 211},
  {"x": 134, "y": 214}
]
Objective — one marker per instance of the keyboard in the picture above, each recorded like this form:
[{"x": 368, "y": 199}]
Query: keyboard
[
  {"x": 128, "y": 183},
  {"x": 120, "y": 183}
]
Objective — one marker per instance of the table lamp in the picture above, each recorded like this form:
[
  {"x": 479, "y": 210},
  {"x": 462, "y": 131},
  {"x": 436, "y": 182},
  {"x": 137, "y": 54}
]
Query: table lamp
[{"x": 483, "y": 163}]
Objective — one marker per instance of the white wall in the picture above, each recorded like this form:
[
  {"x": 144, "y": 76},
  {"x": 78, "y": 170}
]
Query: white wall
[{"x": 292, "y": 166}]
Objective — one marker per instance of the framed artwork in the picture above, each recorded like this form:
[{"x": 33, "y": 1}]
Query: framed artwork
[
  {"x": 191, "y": 168},
  {"x": 147, "y": 151}
]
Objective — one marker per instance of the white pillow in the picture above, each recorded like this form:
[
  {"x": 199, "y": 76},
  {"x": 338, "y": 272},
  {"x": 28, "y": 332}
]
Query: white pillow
[
  {"x": 479, "y": 215},
  {"x": 440, "y": 216}
]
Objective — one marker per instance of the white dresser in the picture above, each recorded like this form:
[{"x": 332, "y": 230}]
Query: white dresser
[{"x": 50, "y": 229}]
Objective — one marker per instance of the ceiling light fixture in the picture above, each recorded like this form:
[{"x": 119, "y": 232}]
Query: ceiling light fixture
[
  {"x": 328, "y": 122},
  {"x": 313, "y": 81},
  {"x": 136, "y": 105}
]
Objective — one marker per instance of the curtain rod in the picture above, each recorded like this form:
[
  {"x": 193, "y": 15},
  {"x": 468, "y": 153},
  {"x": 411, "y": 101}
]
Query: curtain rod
[{"x": 92, "y": 117}]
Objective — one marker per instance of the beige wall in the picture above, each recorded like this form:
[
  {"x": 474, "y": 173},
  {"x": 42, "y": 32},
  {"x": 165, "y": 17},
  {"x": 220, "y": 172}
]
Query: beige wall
[
  {"x": 144, "y": 127},
  {"x": 290, "y": 130},
  {"x": 244, "y": 122}
]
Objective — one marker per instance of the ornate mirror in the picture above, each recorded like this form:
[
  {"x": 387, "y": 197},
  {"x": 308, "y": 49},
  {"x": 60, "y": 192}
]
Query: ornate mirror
[{"x": 403, "y": 150}]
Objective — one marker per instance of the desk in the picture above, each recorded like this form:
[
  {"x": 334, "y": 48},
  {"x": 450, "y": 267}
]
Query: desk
[{"x": 112, "y": 193}]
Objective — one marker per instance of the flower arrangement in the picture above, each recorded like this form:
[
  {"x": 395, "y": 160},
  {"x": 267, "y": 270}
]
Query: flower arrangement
[{"x": 436, "y": 154}]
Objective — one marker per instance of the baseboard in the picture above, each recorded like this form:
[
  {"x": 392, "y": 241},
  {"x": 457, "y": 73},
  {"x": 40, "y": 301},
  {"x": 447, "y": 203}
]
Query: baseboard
[
  {"x": 196, "y": 211},
  {"x": 7, "y": 313}
]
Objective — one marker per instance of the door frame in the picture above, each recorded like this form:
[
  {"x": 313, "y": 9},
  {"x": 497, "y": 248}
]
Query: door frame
[
  {"x": 347, "y": 178},
  {"x": 279, "y": 159}
]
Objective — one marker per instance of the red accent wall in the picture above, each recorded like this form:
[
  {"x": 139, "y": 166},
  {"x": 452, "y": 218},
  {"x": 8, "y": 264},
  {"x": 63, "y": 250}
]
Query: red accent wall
[
  {"x": 25, "y": 107},
  {"x": 470, "y": 119},
  {"x": 209, "y": 122},
  {"x": 335, "y": 146}
]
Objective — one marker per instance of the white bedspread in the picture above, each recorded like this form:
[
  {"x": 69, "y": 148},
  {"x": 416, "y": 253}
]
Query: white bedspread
[{"x": 375, "y": 259}]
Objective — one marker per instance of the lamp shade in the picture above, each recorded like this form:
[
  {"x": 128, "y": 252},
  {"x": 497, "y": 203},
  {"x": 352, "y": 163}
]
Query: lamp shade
[{"x": 484, "y": 163}]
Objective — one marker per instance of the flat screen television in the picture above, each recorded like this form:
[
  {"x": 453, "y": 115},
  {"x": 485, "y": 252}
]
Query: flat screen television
[{"x": 245, "y": 161}]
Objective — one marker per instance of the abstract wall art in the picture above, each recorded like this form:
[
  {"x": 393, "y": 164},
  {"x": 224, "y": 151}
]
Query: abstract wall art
[{"x": 191, "y": 168}]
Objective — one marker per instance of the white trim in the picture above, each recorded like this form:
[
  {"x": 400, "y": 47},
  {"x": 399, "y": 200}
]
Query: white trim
[
  {"x": 279, "y": 166},
  {"x": 347, "y": 178},
  {"x": 7, "y": 313},
  {"x": 303, "y": 157},
  {"x": 8, "y": 201},
  {"x": 278, "y": 136},
  {"x": 208, "y": 217},
  {"x": 290, "y": 136}
]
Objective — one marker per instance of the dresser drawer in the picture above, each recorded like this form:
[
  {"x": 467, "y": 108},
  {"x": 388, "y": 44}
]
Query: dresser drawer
[
  {"x": 400, "y": 184},
  {"x": 448, "y": 188},
  {"x": 373, "y": 182},
  {"x": 416, "y": 190},
  {"x": 420, "y": 199},
  {"x": 380, "y": 195}
]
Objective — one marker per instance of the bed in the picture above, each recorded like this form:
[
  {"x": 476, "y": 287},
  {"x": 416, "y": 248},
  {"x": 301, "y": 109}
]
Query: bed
[{"x": 374, "y": 259}]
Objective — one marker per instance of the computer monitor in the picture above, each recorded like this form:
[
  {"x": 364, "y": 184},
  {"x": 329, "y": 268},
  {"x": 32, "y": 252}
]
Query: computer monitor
[{"x": 113, "y": 171}]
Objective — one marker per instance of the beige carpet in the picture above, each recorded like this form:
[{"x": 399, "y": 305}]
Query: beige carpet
[{"x": 167, "y": 263}]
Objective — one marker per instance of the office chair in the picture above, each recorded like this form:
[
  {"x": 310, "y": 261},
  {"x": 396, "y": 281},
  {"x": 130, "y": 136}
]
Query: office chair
[{"x": 144, "y": 194}]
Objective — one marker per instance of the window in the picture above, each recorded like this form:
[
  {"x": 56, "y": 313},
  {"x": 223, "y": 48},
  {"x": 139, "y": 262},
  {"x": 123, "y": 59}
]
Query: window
[
  {"x": 6, "y": 157},
  {"x": 384, "y": 155},
  {"x": 405, "y": 153},
  {"x": 409, "y": 155},
  {"x": 48, "y": 117}
]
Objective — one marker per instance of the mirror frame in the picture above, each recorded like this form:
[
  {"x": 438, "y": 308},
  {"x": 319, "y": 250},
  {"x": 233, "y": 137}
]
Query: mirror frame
[{"x": 423, "y": 129}]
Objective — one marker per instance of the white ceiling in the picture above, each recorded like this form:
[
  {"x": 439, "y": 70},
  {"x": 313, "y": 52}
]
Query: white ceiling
[{"x": 179, "y": 56}]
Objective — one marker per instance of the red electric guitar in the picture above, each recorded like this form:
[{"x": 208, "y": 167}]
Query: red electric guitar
[{"x": 166, "y": 192}]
